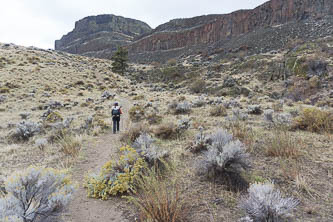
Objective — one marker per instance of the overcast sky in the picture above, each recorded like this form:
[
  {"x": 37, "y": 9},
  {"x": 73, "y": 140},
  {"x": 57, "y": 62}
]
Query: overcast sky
[{"x": 40, "y": 22}]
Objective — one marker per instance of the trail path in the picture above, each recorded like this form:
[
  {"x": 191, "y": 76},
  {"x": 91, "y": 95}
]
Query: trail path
[{"x": 82, "y": 208}]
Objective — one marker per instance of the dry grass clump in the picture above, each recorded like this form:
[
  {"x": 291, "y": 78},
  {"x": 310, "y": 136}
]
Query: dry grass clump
[
  {"x": 166, "y": 131},
  {"x": 243, "y": 132},
  {"x": 70, "y": 145},
  {"x": 314, "y": 120},
  {"x": 283, "y": 144},
  {"x": 160, "y": 200},
  {"x": 134, "y": 132},
  {"x": 218, "y": 110}
]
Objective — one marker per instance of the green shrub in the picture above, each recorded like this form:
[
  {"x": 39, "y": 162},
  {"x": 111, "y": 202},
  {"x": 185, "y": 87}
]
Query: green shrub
[
  {"x": 116, "y": 177},
  {"x": 314, "y": 120}
]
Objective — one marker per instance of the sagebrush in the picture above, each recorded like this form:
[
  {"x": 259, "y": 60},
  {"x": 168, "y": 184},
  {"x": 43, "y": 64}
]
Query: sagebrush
[
  {"x": 35, "y": 194},
  {"x": 264, "y": 203}
]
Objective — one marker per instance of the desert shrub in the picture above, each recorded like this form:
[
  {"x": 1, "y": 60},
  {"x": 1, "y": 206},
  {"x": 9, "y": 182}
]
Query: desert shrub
[
  {"x": 138, "y": 97},
  {"x": 218, "y": 110},
  {"x": 4, "y": 90},
  {"x": 153, "y": 118},
  {"x": 180, "y": 108},
  {"x": 224, "y": 159},
  {"x": 25, "y": 130},
  {"x": 145, "y": 147},
  {"x": 116, "y": 177},
  {"x": 183, "y": 125},
  {"x": 134, "y": 132},
  {"x": 237, "y": 114},
  {"x": 35, "y": 194},
  {"x": 136, "y": 113},
  {"x": 268, "y": 115},
  {"x": 53, "y": 117},
  {"x": 282, "y": 144},
  {"x": 166, "y": 131},
  {"x": 200, "y": 143},
  {"x": 277, "y": 106},
  {"x": 300, "y": 89},
  {"x": 199, "y": 102},
  {"x": 243, "y": 132},
  {"x": 70, "y": 145},
  {"x": 265, "y": 203},
  {"x": 254, "y": 109},
  {"x": 198, "y": 86},
  {"x": 160, "y": 200},
  {"x": 314, "y": 120}
]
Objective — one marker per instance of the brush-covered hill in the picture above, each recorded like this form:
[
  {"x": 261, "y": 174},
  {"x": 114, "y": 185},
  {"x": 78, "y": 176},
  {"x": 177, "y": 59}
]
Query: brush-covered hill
[{"x": 272, "y": 110}]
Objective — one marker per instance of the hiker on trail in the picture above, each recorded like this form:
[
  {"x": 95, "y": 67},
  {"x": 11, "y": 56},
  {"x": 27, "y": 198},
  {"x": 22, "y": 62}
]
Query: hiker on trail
[{"x": 116, "y": 112}]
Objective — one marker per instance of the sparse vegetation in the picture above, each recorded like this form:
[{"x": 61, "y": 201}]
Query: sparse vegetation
[{"x": 282, "y": 144}]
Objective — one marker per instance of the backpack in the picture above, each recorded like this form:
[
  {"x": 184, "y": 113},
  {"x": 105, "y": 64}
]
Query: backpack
[{"x": 115, "y": 112}]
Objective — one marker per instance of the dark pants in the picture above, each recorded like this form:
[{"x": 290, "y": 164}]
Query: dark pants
[{"x": 116, "y": 121}]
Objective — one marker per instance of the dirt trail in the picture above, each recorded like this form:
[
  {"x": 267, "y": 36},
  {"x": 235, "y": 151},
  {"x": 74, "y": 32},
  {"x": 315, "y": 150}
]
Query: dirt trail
[{"x": 82, "y": 208}]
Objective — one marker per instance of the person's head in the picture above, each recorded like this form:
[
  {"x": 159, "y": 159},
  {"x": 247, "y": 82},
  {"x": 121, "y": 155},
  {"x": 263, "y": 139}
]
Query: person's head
[{"x": 116, "y": 104}]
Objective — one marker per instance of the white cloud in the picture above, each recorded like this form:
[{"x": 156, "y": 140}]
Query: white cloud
[{"x": 40, "y": 22}]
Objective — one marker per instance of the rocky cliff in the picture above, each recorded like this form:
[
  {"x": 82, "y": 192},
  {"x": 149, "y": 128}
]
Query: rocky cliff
[
  {"x": 181, "y": 35},
  {"x": 94, "y": 34}
]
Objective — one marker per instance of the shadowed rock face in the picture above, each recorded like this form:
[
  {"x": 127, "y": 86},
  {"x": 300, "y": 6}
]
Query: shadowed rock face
[
  {"x": 102, "y": 38},
  {"x": 213, "y": 28},
  {"x": 96, "y": 33}
]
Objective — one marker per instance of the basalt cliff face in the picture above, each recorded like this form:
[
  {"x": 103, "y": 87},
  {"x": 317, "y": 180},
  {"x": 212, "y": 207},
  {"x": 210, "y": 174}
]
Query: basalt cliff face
[
  {"x": 211, "y": 31},
  {"x": 94, "y": 34}
]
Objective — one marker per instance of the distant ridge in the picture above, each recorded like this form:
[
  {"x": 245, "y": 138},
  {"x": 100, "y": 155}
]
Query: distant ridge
[{"x": 180, "y": 35}]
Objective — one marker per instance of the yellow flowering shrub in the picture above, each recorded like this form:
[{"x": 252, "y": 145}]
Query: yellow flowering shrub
[
  {"x": 314, "y": 120},
  {"x": 116, "y": 177}
]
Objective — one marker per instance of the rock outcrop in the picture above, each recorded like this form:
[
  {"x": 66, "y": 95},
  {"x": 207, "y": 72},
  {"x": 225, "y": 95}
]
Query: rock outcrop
[
  {"x": 210, "y": 29},
  {"x": 181, "y": 35},
  {"x": 94, "y": 34}
]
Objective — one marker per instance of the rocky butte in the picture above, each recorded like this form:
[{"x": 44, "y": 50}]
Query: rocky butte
[
  {"x": 275, "y": 20},
  {"x": 94, "y": 34}
]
